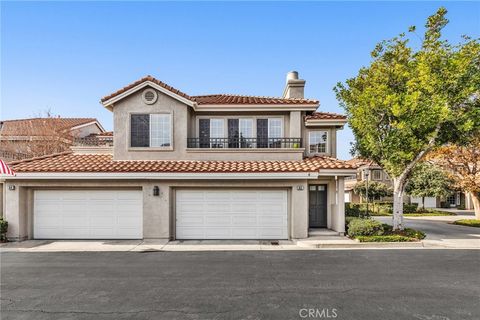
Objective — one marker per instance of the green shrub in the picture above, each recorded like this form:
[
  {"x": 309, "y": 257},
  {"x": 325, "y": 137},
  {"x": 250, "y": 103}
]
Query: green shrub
[
  {"x": 412, "y": 233},
  {"x": 3, "y": 229},
  {"x": 410, "y": 208},
  {"x": 364, "y": 227},
  {"x": 385, "y": 238}
]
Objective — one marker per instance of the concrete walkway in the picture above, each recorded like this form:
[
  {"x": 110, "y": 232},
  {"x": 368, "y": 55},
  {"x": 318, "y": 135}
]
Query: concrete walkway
[{"x": 440, "y": 234}]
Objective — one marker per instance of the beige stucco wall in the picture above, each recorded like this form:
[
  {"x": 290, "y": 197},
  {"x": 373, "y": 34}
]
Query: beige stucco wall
[
  {"x": 332, "y": 139},
  {"x": 158, "y": 211}
]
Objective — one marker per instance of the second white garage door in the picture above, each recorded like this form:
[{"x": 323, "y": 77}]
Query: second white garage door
[
  {"x": 231, "y": 214},
  {"x": 88, "y": 214}
]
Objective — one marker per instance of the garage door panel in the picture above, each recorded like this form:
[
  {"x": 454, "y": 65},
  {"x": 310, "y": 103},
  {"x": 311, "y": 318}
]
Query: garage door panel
[
  {"x": 88, "y": 214},
  {"x": 216, "y": 207},
  {"x": 231, "y": 214},
  {"x": 190, "y": 233},
  {"x": 245, "y": 233},
  {"x": 218, "y": 196},
  {"x": 217, "y": 220},
  {"x": 190, "y": 207},
  {"x": 241, "y": 207},
  {"x": 190, "y": 220},
  {"x": 271, "y": 220},
  {"x": 271, "y": 232},
  {"x": 217, "y": 233},
  {"x": 244, "y": 221}
]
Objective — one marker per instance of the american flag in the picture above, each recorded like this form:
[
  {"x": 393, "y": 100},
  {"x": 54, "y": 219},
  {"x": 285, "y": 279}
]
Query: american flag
[{"x": 5, "y": 169}]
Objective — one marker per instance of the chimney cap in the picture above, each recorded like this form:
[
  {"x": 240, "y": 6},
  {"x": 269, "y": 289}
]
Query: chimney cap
[{"x": 292, "y": 75}]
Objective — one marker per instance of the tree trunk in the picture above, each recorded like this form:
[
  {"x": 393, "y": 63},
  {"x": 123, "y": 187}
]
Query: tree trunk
[
  {"x": 398, "y": 189},
  {"x": 476, "y": 204},
  {"x": 423, "y": 203}
]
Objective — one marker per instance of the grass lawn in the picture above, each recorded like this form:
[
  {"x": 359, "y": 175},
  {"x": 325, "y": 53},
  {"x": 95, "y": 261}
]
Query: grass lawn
[{"x": 468, "y": 223}]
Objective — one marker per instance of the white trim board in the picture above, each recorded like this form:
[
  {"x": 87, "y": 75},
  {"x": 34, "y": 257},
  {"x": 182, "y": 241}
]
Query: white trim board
[
  {"x": 109, "y": 103},
  {"x": 166, "y": 176}
]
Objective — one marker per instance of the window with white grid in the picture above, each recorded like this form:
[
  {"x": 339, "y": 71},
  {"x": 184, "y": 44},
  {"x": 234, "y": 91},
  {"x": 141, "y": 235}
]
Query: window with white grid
[
  {"x": 318, "y": 141},
  {"x": 377, "y": 174},
  {"x": 275, "y": 128},
  {"x": 245, "y": 128},
  {"x": 160, "y": 130}
]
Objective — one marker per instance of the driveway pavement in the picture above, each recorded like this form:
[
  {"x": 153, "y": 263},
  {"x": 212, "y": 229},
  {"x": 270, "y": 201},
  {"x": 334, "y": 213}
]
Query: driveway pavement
[{"x": 352, "y": 284}]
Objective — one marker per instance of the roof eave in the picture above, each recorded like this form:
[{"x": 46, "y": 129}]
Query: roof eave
[
  {"x": 257, "y": 107},
  {"x": 109, "y": 104},
  {"x": 325, "y": 122}
]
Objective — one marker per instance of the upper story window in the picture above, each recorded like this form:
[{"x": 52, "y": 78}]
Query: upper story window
[
  {"x": 151, "y": 130},
  {"x": 377, "y": 174},
  {"x": 318, "y": 141}
]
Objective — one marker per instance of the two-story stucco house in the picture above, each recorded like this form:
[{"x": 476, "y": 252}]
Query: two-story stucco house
[{"x": 216, "y": 166}]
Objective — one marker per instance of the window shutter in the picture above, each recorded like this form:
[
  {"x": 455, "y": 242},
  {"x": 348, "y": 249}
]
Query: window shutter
[
  {"x": 140, "y": 130},
  {"x": 262, "y": 133},
  {"x": 204, "y": 131}
]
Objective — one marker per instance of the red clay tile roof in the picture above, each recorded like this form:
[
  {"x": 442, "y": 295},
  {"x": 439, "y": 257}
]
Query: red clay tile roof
[
  {"x": 360, "y": 162},
  {"x": 214, "y": 98},
  {"x": 37, "y": 126},
  {"x": 68, "y": 162},
  {"x": 325, "y": 116},
  {"x": 239, "y": 99}
]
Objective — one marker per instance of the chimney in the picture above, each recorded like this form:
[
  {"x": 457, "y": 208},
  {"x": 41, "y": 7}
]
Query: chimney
[{"x": 294, "y": 87}]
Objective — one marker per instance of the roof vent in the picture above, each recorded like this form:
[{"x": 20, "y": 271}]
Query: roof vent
[{"x": 149, "y": 96}]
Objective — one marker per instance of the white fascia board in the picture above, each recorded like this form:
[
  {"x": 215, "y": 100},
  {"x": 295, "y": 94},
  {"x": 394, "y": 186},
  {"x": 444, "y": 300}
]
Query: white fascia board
[
  {"x": 336, "y": 122},
  {"x": 119, "y": 97},
  {"x": 165, "y": 176},
  {"x": 89, "y": 123},
  {"x": 337, "y": 172},
  {"x": 256, "y": 107}
]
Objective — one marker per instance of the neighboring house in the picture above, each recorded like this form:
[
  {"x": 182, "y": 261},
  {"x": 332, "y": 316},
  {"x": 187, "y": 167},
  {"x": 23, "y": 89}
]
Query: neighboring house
[
  {"x": 190, "y": 167},
  {"x": 364, "y": 168},
  {"x": 26, "y": 138},
  {"x": 376, "y": 173}
]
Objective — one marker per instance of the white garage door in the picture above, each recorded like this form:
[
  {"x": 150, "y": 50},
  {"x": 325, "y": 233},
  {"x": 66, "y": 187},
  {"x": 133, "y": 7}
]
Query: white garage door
[
  {"x": 88, "y": 214},
  {"x": 231, "y": 214},
  {"x": 430, "y": 202}
]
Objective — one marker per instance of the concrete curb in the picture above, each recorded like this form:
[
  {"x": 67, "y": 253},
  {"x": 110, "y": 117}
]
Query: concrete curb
[{"x": 360, "y": 245}]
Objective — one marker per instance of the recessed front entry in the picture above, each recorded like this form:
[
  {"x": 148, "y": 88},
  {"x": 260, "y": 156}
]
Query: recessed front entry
[
  {"x": 317, "y": 206},
  {"x": 231, "y": 214}
]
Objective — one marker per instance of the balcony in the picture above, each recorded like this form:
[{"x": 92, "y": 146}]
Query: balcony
[{"x": 244, "y": 143}]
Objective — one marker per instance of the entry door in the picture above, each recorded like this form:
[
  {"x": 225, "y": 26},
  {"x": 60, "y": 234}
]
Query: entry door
[{"x": 318, "y": 206}]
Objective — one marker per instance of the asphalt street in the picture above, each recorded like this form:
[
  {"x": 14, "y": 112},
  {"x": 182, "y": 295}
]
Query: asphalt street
[{"x": 335, "y": 284}]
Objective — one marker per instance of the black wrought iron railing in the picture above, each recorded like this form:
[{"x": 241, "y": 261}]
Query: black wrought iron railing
[{"x": 242, "y": 143}]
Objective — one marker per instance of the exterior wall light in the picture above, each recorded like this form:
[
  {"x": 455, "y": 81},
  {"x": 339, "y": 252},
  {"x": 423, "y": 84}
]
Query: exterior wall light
[
  {"x": 11, "y": 187},
  {"x": 156, "y": 191}
]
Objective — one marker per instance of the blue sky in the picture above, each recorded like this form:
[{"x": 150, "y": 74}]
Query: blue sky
[{"x": 66, "y": 56}]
